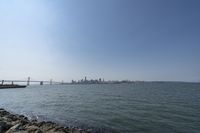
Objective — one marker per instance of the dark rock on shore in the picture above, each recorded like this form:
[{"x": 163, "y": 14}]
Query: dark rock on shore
[{"x": 11, "y": 123}]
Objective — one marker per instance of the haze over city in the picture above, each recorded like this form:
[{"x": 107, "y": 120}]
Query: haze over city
[{"x": 110, "y": 39}]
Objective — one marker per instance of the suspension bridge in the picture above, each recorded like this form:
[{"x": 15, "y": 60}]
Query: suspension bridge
[{"x": 30, "y": 82}]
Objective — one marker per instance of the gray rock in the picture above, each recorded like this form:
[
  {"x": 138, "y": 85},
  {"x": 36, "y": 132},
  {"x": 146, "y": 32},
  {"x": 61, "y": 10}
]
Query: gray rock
[
  {"x": 4, "y": 126},
  {"x": 11, "y": 123},
  {"x": 15, "y": 128},
  {"x": 32, "y": 128},
  {"x": 3, "y": 113},
  {"x": 21, "y": 131}
]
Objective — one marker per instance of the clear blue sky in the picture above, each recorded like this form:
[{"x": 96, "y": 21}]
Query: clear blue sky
[{"x": 112, "y": 39}]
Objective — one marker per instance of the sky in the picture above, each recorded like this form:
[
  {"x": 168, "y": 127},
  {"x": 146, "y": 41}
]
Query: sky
[{"x": 111, "y": 39}]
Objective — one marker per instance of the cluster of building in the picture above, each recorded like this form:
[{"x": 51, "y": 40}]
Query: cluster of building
[
  {"x": 85, "y": 81},
  {"x": 98, "y": 81}
]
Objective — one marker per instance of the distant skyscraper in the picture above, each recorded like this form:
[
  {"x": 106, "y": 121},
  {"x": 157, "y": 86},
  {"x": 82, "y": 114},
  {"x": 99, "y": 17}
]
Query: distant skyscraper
[{"x": 85, "y": 78}]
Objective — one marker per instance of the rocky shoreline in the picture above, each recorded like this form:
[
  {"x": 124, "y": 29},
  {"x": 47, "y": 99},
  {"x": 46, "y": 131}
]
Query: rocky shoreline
[{"x": 13, "y": 123}]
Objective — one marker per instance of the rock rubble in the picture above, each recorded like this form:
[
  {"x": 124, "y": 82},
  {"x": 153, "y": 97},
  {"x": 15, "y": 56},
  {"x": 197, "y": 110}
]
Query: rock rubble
[{"x": 13, "y": 123}]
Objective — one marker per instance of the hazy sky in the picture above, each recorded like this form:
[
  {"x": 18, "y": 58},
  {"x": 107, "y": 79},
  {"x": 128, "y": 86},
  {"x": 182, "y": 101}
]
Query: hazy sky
[{"x": 112, "y": 39}]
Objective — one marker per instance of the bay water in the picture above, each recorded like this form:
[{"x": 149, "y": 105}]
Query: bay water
[{"x": 141, "y": 107}]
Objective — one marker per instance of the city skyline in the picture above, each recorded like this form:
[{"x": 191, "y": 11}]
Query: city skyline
[{"x": 135, "y": 40}]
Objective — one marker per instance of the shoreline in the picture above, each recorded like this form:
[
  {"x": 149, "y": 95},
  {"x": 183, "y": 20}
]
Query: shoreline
[{"x": 14, "y": 123}]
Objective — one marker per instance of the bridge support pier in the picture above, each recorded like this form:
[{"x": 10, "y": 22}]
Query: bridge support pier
[
  {"x": 50, "y": 81},
  {"x": 2, "y": 82},
  {"x": 28, "y": 81},
  {"x": 41, "y": 82}
]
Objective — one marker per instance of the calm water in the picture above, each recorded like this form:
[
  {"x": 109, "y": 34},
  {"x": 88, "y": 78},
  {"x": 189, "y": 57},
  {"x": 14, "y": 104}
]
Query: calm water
[{"x": 130, "y": 108}]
